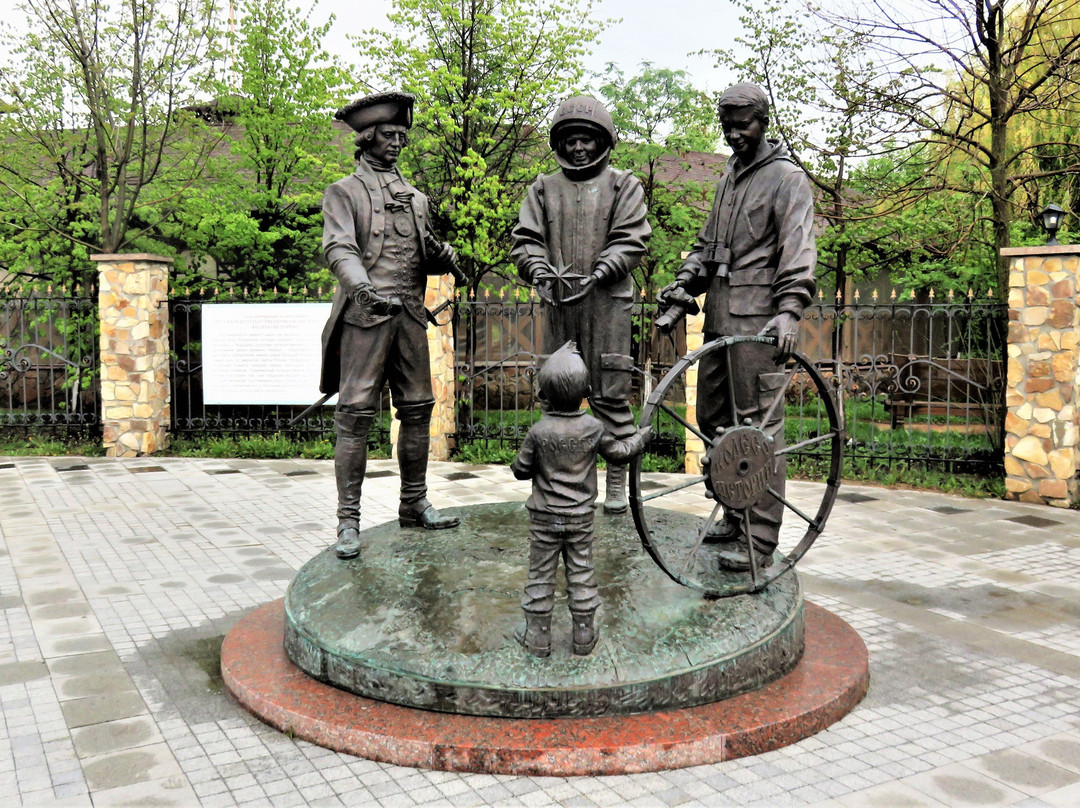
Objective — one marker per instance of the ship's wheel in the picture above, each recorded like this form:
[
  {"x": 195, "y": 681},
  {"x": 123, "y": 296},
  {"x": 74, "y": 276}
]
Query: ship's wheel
[{"x": 737, "y": 473}]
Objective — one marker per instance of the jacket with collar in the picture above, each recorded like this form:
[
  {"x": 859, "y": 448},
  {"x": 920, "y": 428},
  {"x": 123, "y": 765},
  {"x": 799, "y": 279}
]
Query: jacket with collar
[
  {"x": 354, "y": 230},
  {"x": 764, "y": 212}
]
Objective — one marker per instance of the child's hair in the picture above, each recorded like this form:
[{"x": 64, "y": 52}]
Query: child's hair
[{"x": 564, "y": 379}]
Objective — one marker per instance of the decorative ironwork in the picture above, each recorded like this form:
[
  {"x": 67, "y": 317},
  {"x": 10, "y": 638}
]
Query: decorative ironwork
[
  {"x": 921, "y": 383},
  {"x": 498, "y": 348},
  {"x": 48, "y": 364}
]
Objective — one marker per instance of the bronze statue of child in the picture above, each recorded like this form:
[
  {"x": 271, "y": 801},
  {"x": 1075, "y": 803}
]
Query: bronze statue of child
[{"x": 559, "y": 456}]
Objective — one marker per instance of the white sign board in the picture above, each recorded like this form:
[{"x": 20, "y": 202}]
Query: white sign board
[{"x": 262, "y": 353}]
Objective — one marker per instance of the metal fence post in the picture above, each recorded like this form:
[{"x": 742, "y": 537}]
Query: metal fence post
[{"x": 135, "y": 392}]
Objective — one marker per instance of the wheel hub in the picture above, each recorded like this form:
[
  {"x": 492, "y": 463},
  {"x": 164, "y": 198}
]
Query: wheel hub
[{"x": 740, "y": 466}]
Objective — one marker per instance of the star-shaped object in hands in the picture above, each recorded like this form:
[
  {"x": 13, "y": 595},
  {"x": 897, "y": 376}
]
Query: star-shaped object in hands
[{"x": 561, "y": 274}]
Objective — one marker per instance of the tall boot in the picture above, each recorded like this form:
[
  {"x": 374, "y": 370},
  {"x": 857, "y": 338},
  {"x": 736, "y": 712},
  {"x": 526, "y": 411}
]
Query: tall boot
[
  {"x": 350, "y": 464},
  {"x": 535, "y": 633},
  {"x": 615, "y": 499},
  {"x": 584, "y": 635},
  {"x": 412, "y": 449}
]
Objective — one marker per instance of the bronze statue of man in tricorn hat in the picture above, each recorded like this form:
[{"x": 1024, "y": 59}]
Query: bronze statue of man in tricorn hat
[{"x": 378, "y": 242}]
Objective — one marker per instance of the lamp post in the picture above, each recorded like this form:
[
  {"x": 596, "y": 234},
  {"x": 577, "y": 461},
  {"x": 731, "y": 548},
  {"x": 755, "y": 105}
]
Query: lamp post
[{"x": 1051, "y": 217}]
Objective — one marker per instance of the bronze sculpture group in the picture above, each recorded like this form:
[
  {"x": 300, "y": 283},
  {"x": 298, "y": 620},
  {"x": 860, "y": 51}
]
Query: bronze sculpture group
[{"x": 580, "y": 234}]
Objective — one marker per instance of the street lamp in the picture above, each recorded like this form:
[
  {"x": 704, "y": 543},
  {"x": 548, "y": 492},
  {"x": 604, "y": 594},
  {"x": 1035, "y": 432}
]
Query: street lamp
[{"x": 1051, "y": 220}]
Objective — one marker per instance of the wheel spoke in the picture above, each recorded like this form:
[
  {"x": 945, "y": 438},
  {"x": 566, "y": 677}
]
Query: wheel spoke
[
  {"x": 692, "y": 427},
  {"x": 679, "y": 487},
  {"x": 700, "y": 538},
  {"x": 808, "y": 442},
  {"x": 779, "y": 396},
  {"x": 792, "y": 506},
  {"x": 750, "y": 552}
]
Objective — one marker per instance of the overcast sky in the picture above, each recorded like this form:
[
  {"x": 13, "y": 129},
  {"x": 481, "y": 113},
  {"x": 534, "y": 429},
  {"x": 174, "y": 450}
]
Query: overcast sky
[{"x": 659, "y": 31}]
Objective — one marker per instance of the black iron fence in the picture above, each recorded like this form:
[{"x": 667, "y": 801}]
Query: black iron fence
[
  {"x": 498, "y": 343},
  {"x": 49, "y": 367},
  {"x": 193, "y": 418},
  {"x": 921, "y": 384}
]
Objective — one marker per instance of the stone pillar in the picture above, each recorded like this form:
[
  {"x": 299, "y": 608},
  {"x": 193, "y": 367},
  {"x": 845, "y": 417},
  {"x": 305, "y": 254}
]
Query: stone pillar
[
  {"x": 695, "y": 447},
  {"x": 1041, "y": 446},
  {"x": 441, "y": 348},
  {"x": 440, "y": 288},
  {"x": 135, "y": 395}
]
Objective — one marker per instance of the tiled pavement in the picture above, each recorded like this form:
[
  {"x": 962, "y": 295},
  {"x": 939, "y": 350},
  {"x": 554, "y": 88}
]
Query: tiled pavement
[{"x": 118, "y": 580}]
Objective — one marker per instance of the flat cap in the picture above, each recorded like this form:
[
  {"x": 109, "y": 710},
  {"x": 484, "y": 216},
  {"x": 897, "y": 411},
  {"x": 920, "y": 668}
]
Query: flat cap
[{"x": 379, "y": 108}]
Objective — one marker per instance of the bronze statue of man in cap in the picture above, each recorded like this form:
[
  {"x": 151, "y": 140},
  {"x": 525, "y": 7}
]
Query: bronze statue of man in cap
[
  {"x": 755, "y": 259},
  {"x": 378, "y": 242},
  {"x": 580, "y": 233}
]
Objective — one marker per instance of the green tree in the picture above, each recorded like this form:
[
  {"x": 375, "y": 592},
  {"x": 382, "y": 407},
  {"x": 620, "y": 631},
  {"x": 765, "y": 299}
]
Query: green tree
[
  {"x": 905, "y": 224},
  {"x": 813, "y": 76},
  {"x": 98, "y": 93},
  {"x": 258, "y": 215},
  {"x": 968, "y": 77},
  {"x": 661, "y": 118},
  {"x": 486, "y": 74}
]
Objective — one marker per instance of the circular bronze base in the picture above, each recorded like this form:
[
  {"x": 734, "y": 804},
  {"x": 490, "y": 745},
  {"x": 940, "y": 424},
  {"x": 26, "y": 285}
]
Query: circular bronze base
[{"x": 425, "y": 619}]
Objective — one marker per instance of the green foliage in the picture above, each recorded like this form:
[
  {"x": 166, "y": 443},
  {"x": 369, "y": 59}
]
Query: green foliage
[
  {"x": 261, "y": 446},
  {"x": 49, "y": 446},
  {"x": 480, "y": 452},
  {"x": 258, "y": 214},
  {"x": 660, "y": 117},
  {"x": 98, "y": 92},
  {"x": 986, "y": 86},
  {"x": 485, "y": 74},
  {"x": 938, "y": 240}
]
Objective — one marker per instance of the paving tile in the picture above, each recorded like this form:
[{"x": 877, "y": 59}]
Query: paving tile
[
  {"x": 975, "y": 650},
  {"x": 959, "y": 786},
  {"x": 113, "y": 736},
  {"x": 103, "y": 707},
  {"x": 130, "y": 767}
]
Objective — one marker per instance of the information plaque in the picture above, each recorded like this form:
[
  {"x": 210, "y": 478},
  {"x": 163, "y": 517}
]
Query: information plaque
[{"x": 262, "y": 353}]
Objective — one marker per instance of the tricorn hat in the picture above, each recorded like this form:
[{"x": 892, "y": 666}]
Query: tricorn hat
[{"x": 379, "y": 108}]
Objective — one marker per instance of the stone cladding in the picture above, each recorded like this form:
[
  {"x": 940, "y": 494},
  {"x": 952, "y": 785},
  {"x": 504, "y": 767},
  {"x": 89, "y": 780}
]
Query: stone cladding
[
  {"x": 135, "y": 394},
  {"x": 695, "y": 447},
  {"x": 1041, "y": 446}
]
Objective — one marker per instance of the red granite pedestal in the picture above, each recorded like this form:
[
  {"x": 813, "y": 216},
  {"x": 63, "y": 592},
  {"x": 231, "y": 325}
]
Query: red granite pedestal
[{"x": 828, "y": 682}]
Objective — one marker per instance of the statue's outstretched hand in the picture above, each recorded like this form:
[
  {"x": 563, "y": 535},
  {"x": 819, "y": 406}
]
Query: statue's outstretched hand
[
  {"x": 542, "y": 278},
  {"x": 786, "y": 327},
  {"x": 674, "y": 291}
]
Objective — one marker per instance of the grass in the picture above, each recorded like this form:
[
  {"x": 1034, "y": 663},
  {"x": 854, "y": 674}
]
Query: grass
[
  {"x": 276, "y": 446},
  {"x": 49, "y": 446},
  {"x": 929, "y": 449}
]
